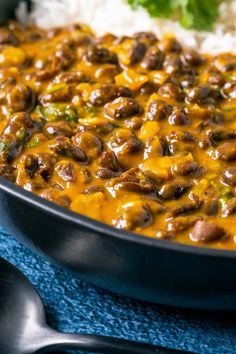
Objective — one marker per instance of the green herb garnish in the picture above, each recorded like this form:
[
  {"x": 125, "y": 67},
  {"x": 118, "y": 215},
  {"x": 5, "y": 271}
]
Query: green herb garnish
[
  {"x": 56, "y": 88},
  {"x": 22, "y": 134},
  {"x": 33, "y": 143},
  {"x": 71, "y": 115},
  {"x": 58, "y": 111},
  {"x": 91, "y": 111},
  {"x": 229, "y": 109},
  {"x": 197, "y": 14},
  {"x": 225, "y": 194},
  {"x": 4, "y": 147}
]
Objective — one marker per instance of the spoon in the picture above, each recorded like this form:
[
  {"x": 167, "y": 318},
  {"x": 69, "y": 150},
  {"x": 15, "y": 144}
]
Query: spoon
[{"x": 23, "y": 328}]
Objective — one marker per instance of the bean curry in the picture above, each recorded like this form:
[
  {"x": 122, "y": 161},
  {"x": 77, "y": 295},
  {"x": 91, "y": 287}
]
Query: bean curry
[{"x": 135, "y": 132}]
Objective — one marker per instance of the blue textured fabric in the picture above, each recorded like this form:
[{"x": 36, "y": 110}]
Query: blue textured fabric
[{"x": 76, "y": 306}]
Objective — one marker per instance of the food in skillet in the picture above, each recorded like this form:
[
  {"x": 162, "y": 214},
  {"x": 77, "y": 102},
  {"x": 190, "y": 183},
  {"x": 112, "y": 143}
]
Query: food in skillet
[{"x": 135, "y": 132}]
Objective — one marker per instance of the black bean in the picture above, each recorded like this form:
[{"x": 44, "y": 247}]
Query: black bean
[
  {"x": 54, "y": 196},
  {"x": 65, "y": 55},
  {"x": 197, "y": 94},
  {"x": 108, "y": 160},
  {"x": 153, "y": 59},
  {"x": 226, "y": 151},
  {"x": 67, "y": 172},
  {"x": 229, "y": 176},
  {"x": 8, "y": 172},
  {"x": 70, "y": 77},
  {"x": 33, "y": 186},
  {"x": 216, "y": 79},
  {"x": 158, "y": 110},
  {"x": 20, "y": 98},
  {"x": 123, "y": 107},
  {"x": 148, "y": 88},
  {"x": 107, "y": 93},
  {"x": 229, "y": 90},
  {"x": 225, "y": 63},
  {"x": 171, "y": 90},
  {"x": 105, "y": 173},
  {"x": 187, "y": 81},
  {"x": 207, "y": 232},
  {"x": 53, "y": 129},
  {"x": 134, "y": 216},
  {"x": 192, "y": 57},
  {"x": 136, "y": 52},
  {"x": 209, "y": 205},
  {"x": 188, "y": 168},
  {"x": 229, "y": 208},
  {"x": 94, "y": 189},
  {"x": 181, "y": 223},
  {"x": 185, "y": 209},
  {"x": 62, "y": 95},
  {"x": 17, "y": 132},
  {"x": 46, "y": 74},
  {"x": 182, "y": 141},
  {"x": 147, "y": 38},
  {"x": 172, "y": 63},
  {"x": 134, "y": 180},
  {"x": 45, "y": 164},
  {"x": 99, "y": 55},
  {"x": 30, "y": 165},
  {"x": 173, "y": 189},
  {"x": 179, "y": 116},
  {"x": 169, "y": 45},
  {"x": 124, "y": 142},
  {"x": 134, "y": 123},
  {"x": 219, "y": 134},
  {"x": 164, "y": 235},
  {"x": 62, "y": 145},
  {"x": 89, "y": 143},
  {"x": 155, "y": 146}
]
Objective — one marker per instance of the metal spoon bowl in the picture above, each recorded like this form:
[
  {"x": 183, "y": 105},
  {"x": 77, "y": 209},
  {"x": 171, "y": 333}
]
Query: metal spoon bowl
[{"x": 23, "y": 328}]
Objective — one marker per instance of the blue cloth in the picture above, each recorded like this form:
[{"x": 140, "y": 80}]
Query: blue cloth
[{"x": 75, "y": 306}]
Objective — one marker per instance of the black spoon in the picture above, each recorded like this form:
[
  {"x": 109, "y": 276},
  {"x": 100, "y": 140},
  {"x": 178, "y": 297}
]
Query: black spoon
[{"x": 23, "y": 328}]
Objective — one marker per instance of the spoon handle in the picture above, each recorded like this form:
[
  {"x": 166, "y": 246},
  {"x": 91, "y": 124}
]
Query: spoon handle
[{"x": 104, "y": 345}]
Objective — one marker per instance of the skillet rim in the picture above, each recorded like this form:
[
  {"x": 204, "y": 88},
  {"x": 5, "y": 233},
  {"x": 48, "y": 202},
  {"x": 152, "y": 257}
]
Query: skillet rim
[{"x": 89, "y": 223}]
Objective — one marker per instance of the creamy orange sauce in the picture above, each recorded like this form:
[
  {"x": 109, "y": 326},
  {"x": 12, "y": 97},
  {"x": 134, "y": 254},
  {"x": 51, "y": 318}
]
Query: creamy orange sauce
[{"x": 42, "y": 62}]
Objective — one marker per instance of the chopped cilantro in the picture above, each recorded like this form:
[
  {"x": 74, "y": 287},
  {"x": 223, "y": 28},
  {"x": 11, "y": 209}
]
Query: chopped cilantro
[
  {"x": 91, "y": 111},
  {"x": 71, "y": 115},
  {"x": 229, "y": 109},
  {"x": 33, "y": 143},
  {"x": 22, "y": 134},
  {"x": 58, "y": 111},
  {"x": 56, "y": 88},
  {"x": 4, "y": 147},
  {"x": 197, "y": 14}
]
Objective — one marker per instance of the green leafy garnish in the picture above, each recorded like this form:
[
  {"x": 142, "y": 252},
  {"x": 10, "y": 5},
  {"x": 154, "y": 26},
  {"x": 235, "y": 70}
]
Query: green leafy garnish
[
  {"x": 33, "y": 143},
  {"x": 225, "y": 194},
  {"x": 91, "y": 111},
  {"x": 197, "y": 14},
  {"x": 229, "y": 109},
  {"x": 4, "y": 147},
  {"x": 71, "y": 115},
  {"x": 56, "y": 88},
  {"x": 58, "y": 111},
  {"x": 22, "y": 134}
]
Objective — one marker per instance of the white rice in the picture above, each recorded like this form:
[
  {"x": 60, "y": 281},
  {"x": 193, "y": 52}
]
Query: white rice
[{"x": 117, "y": 17}]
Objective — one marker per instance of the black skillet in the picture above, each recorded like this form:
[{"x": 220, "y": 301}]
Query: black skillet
[{"x": 137, "y": 266}]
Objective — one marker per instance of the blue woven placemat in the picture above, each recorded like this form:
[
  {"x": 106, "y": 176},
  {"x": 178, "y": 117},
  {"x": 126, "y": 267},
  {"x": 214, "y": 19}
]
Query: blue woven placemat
[{"x": 75, "y": 306}]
